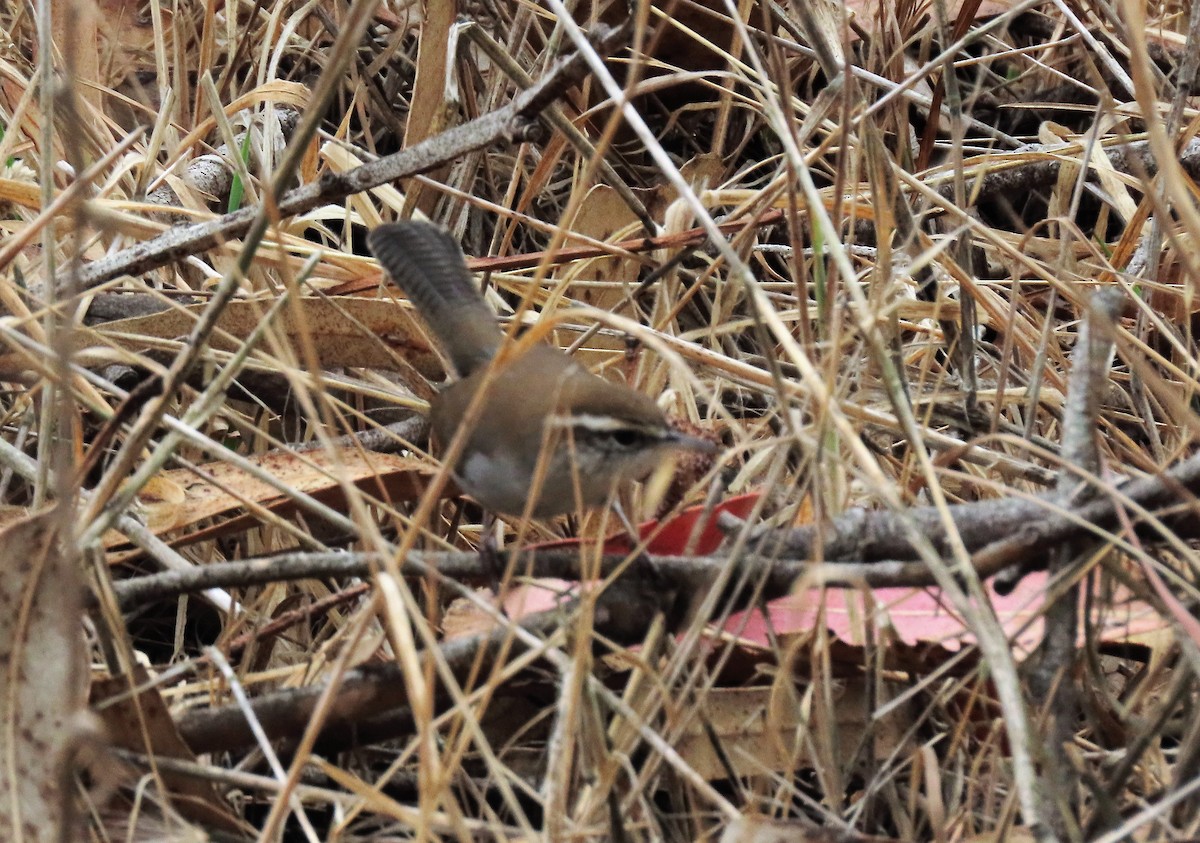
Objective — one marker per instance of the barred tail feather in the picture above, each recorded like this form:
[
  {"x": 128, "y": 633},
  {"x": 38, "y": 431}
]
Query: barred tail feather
[{"x": 428, "y": 265}]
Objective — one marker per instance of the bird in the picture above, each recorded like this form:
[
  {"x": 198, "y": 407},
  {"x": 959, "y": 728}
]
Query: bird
[{"x": 549, "y": 436}]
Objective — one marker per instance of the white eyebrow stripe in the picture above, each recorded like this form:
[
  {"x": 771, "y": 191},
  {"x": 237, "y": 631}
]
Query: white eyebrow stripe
[{"x": 594, "y": 423}]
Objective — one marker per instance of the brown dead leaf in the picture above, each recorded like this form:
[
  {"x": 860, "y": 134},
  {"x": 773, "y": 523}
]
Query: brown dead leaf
[
  {"x": 42, "y": 678},
  {"x": 1020, "y": 834},
  {"x": 432, "y": 100},
  {"x": 463, "y": 618},
  {"x": 602, "y": 282},
  {"x": 758, "y": 735},
  {"x": 161, "y": 501},
  {"x": 829, "y": 17},
  {"x": 23, "y": 193},
  {"x": 866, "y": 12},
  {"x": 140, "y": 722},
  {"x": 227, "y": 489},
  {"x": 76, "y": 30},
  {"x": 10, "y": 515},
  {"x": 767, "y": 830},
  {"x": 345, "y": 331}
]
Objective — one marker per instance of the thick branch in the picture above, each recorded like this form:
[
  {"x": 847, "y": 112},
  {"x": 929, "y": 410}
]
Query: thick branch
[
  {"x": 869, "y": 536},
  {"x": 860, "y": 547}
]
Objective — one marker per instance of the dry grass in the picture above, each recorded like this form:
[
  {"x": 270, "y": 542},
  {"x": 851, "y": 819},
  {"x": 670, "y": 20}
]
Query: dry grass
[{"x": 818, "y": 333}]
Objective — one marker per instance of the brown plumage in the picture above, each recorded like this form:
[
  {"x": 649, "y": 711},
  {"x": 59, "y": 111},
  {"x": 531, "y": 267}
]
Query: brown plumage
[{"x": 594, "y": 434}]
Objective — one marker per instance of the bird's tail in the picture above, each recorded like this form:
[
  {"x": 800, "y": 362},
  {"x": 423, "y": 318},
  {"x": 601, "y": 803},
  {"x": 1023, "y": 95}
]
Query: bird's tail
[{"x": 428, "y": 265}]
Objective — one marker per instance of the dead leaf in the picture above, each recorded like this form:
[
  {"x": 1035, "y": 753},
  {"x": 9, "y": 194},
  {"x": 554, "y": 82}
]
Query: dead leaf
[
  {"x": 227, "y": 489},
  {"x": 42, "y": 678},
  {"x": 463, "y": 618},
  {"x": 161, "y": 501},
  {"x": 140, "y": 722},
  {"x": 918, "y": 619},
  {"x": 758, "y": 735},
  {"x": 603, "y": 282},
  {"x": 433, "y": 100},
  {"x": 866, "y": 12},
  {"x": 345, "y": 331},
  {"x": 767, "y": 830}
]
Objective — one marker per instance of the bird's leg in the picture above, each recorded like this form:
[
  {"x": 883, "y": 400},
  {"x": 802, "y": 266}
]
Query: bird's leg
[{"x": 490, "y": 562}]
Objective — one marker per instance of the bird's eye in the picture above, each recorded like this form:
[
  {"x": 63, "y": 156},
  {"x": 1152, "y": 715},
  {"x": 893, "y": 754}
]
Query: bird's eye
[{"x": 626, "y": 438}]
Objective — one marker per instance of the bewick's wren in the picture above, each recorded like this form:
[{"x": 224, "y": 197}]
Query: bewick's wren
[{"x": 549, "y": 434}]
